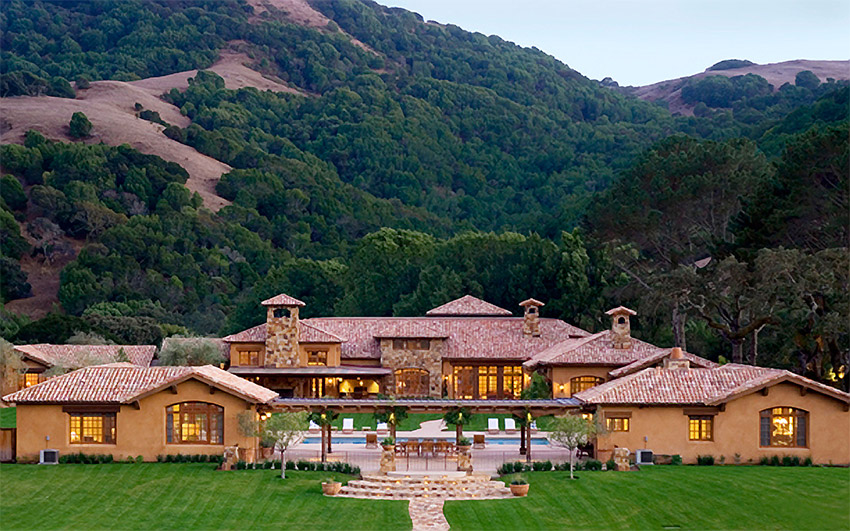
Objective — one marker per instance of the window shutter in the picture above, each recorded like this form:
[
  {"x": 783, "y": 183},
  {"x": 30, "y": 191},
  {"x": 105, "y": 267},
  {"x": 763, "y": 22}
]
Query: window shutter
[
  {"x": 765, "y": 431},
  {"x": 801, "y": 430}
]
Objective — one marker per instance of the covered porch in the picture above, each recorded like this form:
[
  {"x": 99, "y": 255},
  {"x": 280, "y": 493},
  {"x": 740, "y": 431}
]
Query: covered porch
[{"x": 320, "y": 381}]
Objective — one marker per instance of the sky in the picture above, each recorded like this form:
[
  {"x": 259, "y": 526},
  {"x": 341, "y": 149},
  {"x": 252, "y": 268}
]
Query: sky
[{"x": 639, "y": 42}]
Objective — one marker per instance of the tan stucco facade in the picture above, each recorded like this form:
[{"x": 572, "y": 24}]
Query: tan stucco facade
[
  {"x": 664, "y": 430},
  {"x": 561, "y": 377},
  {"x": 138, "y": 431},
  {"x": 333, "y": 350}
]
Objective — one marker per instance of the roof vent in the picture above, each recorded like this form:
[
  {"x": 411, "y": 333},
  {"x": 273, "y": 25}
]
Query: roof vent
[{"x": 676, "y": 360}]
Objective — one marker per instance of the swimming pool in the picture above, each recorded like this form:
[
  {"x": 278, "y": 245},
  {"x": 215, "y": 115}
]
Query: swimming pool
[{"x": 339, "y": 439}]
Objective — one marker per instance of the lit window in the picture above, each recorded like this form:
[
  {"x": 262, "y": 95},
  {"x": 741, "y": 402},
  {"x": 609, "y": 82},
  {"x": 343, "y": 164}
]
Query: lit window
[
  {"x": 784, "y": 427},
  {"x": 411, "y": 344},
  {"x": 30, "y": 379},
  {"x": 701, "y": 428},
  {"x": 512, "y": 381},
  {"x": 464, "y": 381},
  {"x": 412, "y": 382},
  {"x": 92, "y": 428},
  {"x": 194, "y": 423},
  {"x": 488, "y": 381},
  {"x": 317, "y": 387},
  {"x": 580, "y": 383},
  {"x": 249, "y": 357},
  {"x": 317, "y": 357},
  {"x": 617, "y": 423}
]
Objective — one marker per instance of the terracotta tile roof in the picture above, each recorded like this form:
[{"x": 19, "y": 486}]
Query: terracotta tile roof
[
  {"x": 531, "y": 302},
  {"x": 596, "y": 349},
  {"x": 76, "y": 356},
  {"x": 282, "y": 300},
  {"x": 696, "y": 362},
  {"x": 121, "y": 383},
  {"x": 695, "y": 386},
  {"x": 307, "y": 332},
  {"x": 466, "y": 337},
  {"x": 620, "y": 309},
  {"x": 468, "y": 306}
]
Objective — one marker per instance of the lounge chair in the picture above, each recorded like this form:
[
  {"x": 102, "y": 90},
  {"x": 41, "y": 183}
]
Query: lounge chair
[
  {"x": 347, "y": 425},
  {"x": 382, "y": 428},
  {"x": 371, "y": 440},
  {"x": 313, "y": 428},
  {"x": 510, "y": 426},
  {"x": 533, "y": 426},
  {"x": 478, "y": 441},
  {"x": 492, "y": 426}
]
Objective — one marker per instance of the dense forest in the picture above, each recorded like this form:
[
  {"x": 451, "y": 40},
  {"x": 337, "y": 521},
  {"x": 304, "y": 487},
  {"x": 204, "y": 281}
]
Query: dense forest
[{"x": 427, "y": 163}]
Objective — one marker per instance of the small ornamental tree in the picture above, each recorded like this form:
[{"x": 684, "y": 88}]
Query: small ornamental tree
[
  {"x": 11, "y": 367},
  {"x": 324, "y": 419},
  {"x": 80, "y": 126},
  {"x": 282, "y": 431},
  {"x": 572, "y": 431},
  {"x": 458, "y": 416},
  {"x": 392, "y": 416}
]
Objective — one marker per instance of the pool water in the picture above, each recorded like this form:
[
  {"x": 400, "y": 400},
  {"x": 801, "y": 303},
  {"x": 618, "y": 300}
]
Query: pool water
[{"x": 338, "y": 439}]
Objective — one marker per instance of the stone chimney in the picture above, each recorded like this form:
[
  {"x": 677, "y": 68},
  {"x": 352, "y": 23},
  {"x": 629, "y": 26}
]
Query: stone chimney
[
  {"x": 676, "y": 360},
  {"x": 621, "y": 331},
  {"x": 282, "y": 331},
  {"x": 531, "y": 318}
]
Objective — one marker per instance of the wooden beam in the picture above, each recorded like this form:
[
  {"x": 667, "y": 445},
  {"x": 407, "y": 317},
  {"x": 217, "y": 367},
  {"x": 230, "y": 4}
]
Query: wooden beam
[
  {"x": 212, "y": 390},
  {"x": 173, "y": 389},
  {"x": 137, "y": 405},
  {"x": 765, "y": 391},
  {"x": 803, "y": 390}
]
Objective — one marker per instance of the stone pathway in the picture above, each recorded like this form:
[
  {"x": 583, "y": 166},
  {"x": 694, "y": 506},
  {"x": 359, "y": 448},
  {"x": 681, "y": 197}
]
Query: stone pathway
[{"x": 428, "y": 515}]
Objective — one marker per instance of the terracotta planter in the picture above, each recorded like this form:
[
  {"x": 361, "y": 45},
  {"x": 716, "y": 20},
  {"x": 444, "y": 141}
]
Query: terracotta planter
[
  {"x": 388, "y": 447},
  {"x": 464, "y": 449},
  {"x": 519, "y": 490},
  {"x": 331, "y": 488}
]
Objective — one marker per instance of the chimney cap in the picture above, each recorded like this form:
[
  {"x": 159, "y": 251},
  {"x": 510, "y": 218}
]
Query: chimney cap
[
  {"x": 282, "y": 300},
  {"x": 620, "y": 310},
  {"x": 531, "y": 302},
  {"x": 676, "y": 353}
]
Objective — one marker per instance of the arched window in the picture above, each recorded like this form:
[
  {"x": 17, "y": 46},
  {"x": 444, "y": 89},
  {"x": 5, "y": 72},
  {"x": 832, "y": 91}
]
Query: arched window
[
  {"x": 784, "y": 427},
  {"x": 194, "y": 423},
  {"x": 412, "y": 382},
  {"x": 580, "y": 383}
]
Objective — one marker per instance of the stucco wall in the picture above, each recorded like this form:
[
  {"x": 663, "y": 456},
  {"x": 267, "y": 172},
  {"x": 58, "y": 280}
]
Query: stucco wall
[
  {"x": 736, "y": 430},
  {"x": 138, "y": 431},
  {"x": 563, "y": 375}
]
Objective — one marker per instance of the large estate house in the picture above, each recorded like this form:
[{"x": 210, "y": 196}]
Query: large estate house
[
  {"x": 464, "y": 349},
  {"x": 663, "y": 399}
]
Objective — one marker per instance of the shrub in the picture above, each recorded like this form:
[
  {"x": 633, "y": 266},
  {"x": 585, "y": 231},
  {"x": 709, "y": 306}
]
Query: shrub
[
  {"x": 541, "y": 466},
  {"x": 79, "y": 126},
  {"x": 787, "y": 461},
  {"x": 807, "y": 461},
  {"x": 795, "y": 461},
  {"x": 774, "y": 461},
  {"x": 610, "y": 465},
  {"x": 519, "y": 481},
  {"x": 241, "y": 465},
  {"x": 290, "y": 465},
  {"x": 764, "y": 461},
  {"x": 388, "y": 441},
  {"x": 593, "y": 465},
  {"x": 705, "y": 460},
  {"x": 676, "y": 460}
]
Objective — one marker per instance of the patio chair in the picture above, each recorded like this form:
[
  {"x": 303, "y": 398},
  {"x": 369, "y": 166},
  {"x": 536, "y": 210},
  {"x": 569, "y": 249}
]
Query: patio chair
[
  {"x": 348, "y": 425},
  {"x": 412, "y": 447},
  {"x": 442, "y": 447},
  {"x": 533, "y": 426},
  {"x": 313, "y": 428},
  {"x": 510, "y": 426},
  {"x": 371, "y": 440},
  {"x": 426, "y": 447},
  {"x": 382, "y": 428},
  {"x": 492, "y": 426},
  {"x": 478, "y": 441}
]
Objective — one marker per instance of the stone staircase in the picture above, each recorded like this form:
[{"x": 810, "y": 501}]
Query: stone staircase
[{"x": 436, "y": 486}]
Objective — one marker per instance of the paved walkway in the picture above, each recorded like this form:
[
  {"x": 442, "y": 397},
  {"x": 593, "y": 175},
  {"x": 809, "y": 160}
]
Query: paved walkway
[{"x": 428, "y": 515}]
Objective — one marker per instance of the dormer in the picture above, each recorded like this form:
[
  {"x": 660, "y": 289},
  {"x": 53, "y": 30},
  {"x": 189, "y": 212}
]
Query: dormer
[
  {"x": 282, "y": 331},
  {"x": 531, "y": 317},
  {"x": 621, "y": 331}
]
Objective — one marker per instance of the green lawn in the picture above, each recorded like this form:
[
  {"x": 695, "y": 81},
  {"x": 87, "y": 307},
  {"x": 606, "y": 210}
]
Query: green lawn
[
  {"x": 8, "y": 418},
  {"x": 179, "y": 496},
  {"x": 668, "y": 497}
]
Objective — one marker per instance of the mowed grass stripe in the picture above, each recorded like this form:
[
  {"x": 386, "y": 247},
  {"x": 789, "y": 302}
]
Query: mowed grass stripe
[
  {"x": 181, "y": 496},
  {"x": 655, "y": 497}
]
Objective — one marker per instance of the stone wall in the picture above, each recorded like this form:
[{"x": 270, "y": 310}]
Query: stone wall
[
  {"x": 431, "y": 360},
  {"x": 282, "y": 338}
]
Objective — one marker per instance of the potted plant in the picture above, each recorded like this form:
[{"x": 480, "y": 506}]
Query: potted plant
[
  {"x": 463, "y": 443},
  {"x": 331, "y": 487},
  {"x": 388, "y": 443},
  {"x": 519, "y": 487}
]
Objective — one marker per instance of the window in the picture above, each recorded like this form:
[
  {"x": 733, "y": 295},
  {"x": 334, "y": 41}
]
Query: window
[
  {"x": 249, "y": 357},
  {"x": 92, "y": 428},
  {"x": 616, "y": 423},
  {"x": 317, "y": 387},
  {"x": 194, "y": 423},
  {"x": 412, "y": 382},
  {"x": 512, "y": 381},
  {"x": 580, "y": 383},
  {"x": 411, "y": 344},
  {"x": 784, "y": 427},
  {"x": 700, "y": 428},
  {"x": 317, "y": 357},
  {"x": 464, "y": 381},
  {"x": 30, "y": 379},
  {"x": 488, "y": 382}
]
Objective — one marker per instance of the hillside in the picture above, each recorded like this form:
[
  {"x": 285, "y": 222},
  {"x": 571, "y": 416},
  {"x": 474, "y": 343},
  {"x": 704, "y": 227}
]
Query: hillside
[{"x": 777, "y": 74}]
